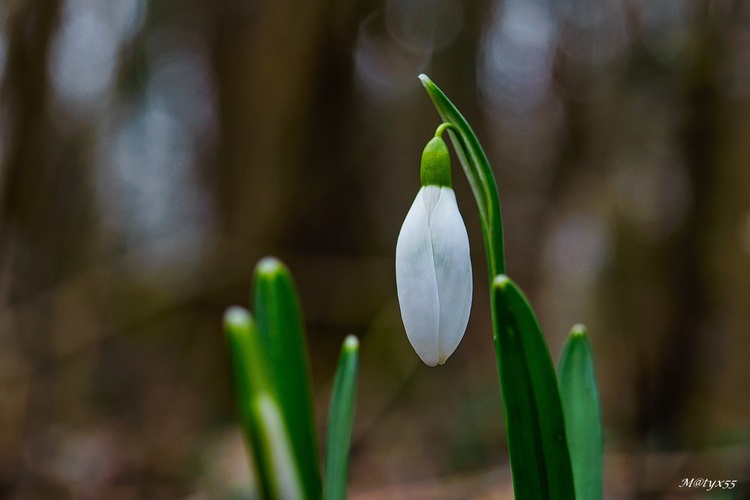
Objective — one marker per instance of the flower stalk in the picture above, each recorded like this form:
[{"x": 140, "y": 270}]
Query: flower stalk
[{"x": 537, "y": 444}]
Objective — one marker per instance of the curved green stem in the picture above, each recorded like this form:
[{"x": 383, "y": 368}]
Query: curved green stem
[
  {"x": 443, "y": 127},
  {"x": 478, "y": 171}
]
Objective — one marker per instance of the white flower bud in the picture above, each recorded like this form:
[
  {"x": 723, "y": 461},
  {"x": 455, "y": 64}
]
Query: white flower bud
[{"x": 433, "y": 274}]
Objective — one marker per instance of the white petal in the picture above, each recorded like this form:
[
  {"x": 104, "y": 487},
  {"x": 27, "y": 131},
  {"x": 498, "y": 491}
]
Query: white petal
[
  {"x": 430, "y": 197},
  {"x": 450, "y": 247},
  {"x": 416, "y": 283}
]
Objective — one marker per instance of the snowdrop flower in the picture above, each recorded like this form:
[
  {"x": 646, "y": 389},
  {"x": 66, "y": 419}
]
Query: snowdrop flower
[{"x": 433, "y": 267}]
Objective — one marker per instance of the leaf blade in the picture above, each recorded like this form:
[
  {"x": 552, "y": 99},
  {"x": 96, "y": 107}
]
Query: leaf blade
[
  {"x": 341, "y": 421},
  {"x": 583, "y": 421},
  {"x": 249, "y": 376},
  {"x": 281, "y": 327},
  {"x": 537, "y": 444}
]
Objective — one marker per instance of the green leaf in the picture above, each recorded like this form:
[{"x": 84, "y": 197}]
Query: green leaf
[
  {"x": 250, "y": 380},
  {"x": 533, "y": 414},
  {"x": 583, "y": 420},
  {"x": 280, "y": 324},
  {"x": 283, "y": 478},
  {"x": 341, "y": 421},
  {"x": 478, "y": 171}
]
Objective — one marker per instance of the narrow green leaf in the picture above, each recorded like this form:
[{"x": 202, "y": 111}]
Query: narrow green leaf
[
  {"x": 341, "y": 421},
  {"x": 533, "y": 413},
  {"x": 478, "y": 171},
  {"x": 583, "y": 420},
  {"x": 280, "y": 324},
  {"x": 250, "y": 380},
  {"x": 283, "y": 479}
]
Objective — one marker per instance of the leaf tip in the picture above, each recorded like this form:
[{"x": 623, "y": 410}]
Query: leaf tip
[
  {"x": 269, "y": 267},
  {"x": 237, "y": 317},
  {"x": 428, "y": 84},
  {"x": 501, "y": 282},
  {"x": 351, "y": 344},
  {"x": 579, "y": 331}
]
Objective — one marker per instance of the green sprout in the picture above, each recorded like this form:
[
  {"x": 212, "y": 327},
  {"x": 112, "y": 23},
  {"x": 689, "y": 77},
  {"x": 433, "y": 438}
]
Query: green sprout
[{"x": 272, "y": 382}]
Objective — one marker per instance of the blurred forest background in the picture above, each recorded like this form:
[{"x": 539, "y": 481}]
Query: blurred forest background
[{"x": 152, "y": 151}]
